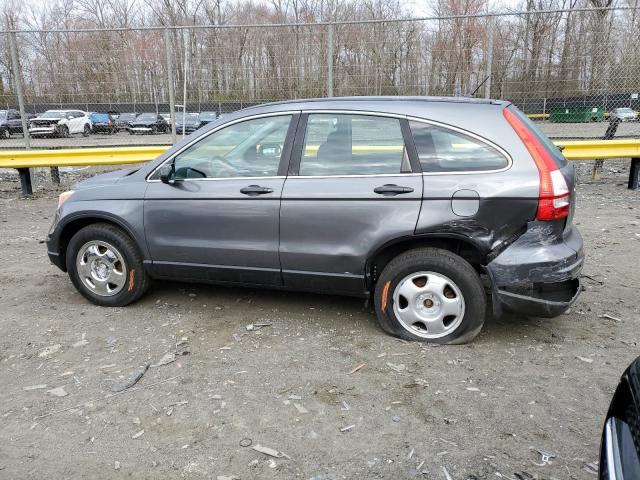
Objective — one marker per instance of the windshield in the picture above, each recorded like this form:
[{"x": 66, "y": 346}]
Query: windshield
[
  {"x": 147, "y": 116},
  {"x": 127, "y": 116},
  {"x": 624, "y": 110},
  {"x": 208, "y": 116},
  {"x": 52, "y": 114}
]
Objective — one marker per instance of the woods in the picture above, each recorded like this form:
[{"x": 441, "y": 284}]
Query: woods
[{"x": 241, "y": 57}]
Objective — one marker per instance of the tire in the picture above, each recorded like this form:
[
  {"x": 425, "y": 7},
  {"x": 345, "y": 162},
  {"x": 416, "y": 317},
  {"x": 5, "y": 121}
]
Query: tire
[
  {"x": 461, "y": 289},
  {"x": 6, "y": 134},
  {"x": 131, "y": 132},
  {"x": 86, "y": 131},
  {"x": 130, "y": 280},
  {"x": 64, "y": 131},
  {"x": 154, "y": 130}
]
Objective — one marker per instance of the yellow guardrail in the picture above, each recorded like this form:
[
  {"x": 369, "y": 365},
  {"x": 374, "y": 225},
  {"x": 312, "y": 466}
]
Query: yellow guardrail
[
  {"x": 600, "y": 149},
  {"x": 573, "y": 150},
  {"x": 73, "y": 157}
]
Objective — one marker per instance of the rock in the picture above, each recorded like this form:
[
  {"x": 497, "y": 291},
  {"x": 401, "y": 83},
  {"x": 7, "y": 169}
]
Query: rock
[
  {"x": 300, "y": 408},
  {"x": 50, "y": 350},
  {"x": 58, "y": 392},
  {"x": 397, "y": 368},
  {"x": 116, "y": 465},
  {"x": 137, "y": 435},
  {"x": 35, "y": 387}
]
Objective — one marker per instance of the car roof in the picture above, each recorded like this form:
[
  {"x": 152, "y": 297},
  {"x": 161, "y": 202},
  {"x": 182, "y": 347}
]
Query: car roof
[{"x": 331, "y": 101}]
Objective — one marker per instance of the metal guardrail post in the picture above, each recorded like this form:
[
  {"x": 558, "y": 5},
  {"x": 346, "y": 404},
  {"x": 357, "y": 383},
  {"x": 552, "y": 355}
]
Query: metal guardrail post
[
  {"x": 25, "y": 174},
  {"x": 172, "y": 94},
  {"x": 330, "y": 60},
  {"x": 634, "y": 174}
]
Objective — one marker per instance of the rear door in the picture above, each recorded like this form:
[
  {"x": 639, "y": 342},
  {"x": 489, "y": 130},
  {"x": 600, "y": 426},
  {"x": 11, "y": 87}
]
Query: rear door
[{"x": 353, "y": 185}]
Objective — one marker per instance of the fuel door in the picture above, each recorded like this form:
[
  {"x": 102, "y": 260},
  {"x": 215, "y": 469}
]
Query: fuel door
[{"x": 465, "y": 203}]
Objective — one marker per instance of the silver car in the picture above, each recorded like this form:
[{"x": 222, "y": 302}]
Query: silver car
[
  {"x": 624, "y": 114},
  {"x": 440, "y": 210}
]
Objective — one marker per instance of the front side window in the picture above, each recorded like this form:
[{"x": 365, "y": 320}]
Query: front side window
[
  {"x": 444, "y": 150},
  {"x": 252, "y": 148},
  {"x": 341, "y": 144}
]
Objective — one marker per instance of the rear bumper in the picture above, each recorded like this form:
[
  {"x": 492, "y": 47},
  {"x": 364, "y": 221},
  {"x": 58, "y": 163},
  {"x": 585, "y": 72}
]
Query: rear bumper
[{"x": 538, "y": 274}]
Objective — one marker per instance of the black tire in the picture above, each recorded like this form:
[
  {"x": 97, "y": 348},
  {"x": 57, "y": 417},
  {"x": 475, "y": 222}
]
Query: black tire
[
  {"x": 154, "y": 130},
  {"x": 131, "y": 132},
  {"x": 86, "y": 131},
  {"x": 6, "y": 134},
  {"x": 137, "y": 280},
  {"x": 64, "y": 131},
  {"x": 438, "y": 261}
]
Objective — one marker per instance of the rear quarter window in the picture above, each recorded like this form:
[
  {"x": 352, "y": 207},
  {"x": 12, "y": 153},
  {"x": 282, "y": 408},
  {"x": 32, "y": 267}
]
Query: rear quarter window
[{"x": 444, "y": 150}]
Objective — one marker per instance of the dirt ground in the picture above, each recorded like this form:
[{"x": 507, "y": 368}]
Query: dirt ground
[{"x": 481, "y": 410}]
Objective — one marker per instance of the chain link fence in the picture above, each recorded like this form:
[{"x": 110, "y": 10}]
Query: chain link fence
[{"x": 574, "y": 71}]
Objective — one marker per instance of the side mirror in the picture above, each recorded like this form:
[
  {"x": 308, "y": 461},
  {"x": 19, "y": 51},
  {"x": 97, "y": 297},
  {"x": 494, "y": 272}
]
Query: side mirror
[{"x": 167, "y": 173}]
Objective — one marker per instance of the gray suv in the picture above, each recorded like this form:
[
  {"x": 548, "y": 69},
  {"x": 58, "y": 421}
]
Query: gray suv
[{"x": 434, "y": 208}]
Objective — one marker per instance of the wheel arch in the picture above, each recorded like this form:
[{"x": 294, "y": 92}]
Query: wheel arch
[
  {"x": 455, "y": 243},
  {"x": 75, "y": 224}
]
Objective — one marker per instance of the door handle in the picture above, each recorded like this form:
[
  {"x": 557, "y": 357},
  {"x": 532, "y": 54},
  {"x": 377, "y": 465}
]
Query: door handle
[
  {"x": 391, "y": 189},
  {"x": 255, "y": 190}
]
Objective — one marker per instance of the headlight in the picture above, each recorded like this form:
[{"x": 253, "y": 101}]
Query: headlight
[{"x": 64, "y": 196}]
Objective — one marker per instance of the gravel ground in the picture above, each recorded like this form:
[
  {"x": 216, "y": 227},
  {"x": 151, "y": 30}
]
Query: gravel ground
[
  {"x": 477, "y": 410},
  {"x": 554, "y": 130}
]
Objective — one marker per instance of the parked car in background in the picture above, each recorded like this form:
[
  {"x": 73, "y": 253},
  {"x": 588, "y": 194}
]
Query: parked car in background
[
  {"x": 149, "y": 123},
  {"x": 624, "y": 114},
  {"x": 10, "y": 122},
  {"x": 371, "y": 196},
  {"x": 123, "y": 122},
  {"x": 167, "y": 117},
  {"x": 60, "y": 123},
  {"x": 187, "y": 123},
  {"x": 103, "y": 123},
  {"x": 207, "y": 117}
]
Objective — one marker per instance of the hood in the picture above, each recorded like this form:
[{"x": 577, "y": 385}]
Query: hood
[
  {"x": 45, "y": 121},
  {"x": 108, "y": 178}
]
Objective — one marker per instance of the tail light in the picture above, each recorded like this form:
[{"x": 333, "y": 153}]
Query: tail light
[{"x": 554, "y": 196}]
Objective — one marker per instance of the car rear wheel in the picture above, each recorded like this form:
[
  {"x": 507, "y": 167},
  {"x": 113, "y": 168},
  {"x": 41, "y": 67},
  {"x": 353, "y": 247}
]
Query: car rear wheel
[
  {"x": 154, "y": 130},
  {"x": 86, "y": 131},
  {"x": 6, "y": 134},
  {"x": 430, "y": 295},
  {"x": 105, "y": 266}
]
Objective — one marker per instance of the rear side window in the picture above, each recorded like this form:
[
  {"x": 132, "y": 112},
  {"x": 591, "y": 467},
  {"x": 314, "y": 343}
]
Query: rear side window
[
  {"x": 341, "y": 144},
  {"x": 444, "y": 150}
]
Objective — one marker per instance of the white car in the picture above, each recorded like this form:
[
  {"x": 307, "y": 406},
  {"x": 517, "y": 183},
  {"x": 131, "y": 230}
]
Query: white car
[{"x": 60, "y": 123}]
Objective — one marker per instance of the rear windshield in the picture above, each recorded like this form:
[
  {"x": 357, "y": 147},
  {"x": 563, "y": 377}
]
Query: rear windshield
[
  {"x": 551, "y": 148},
  {"x": 148, "y": 116}
]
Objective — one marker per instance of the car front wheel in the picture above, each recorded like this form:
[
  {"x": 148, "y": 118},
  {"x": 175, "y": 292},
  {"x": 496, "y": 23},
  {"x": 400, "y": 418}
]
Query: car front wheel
[
  {"x": 105, "y": 266},
  {"x": 86, "y": 131},
  {"x": 430, "y": 295}
]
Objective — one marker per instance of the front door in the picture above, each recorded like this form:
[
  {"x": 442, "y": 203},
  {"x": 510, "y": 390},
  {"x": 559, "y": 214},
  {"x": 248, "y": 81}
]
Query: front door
[
  {"x": 353, "y": 186},
  {"x": 219, "y": 221}
]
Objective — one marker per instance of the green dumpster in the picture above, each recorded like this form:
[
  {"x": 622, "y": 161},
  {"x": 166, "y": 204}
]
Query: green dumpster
[{"x": 576, "y": 114}]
